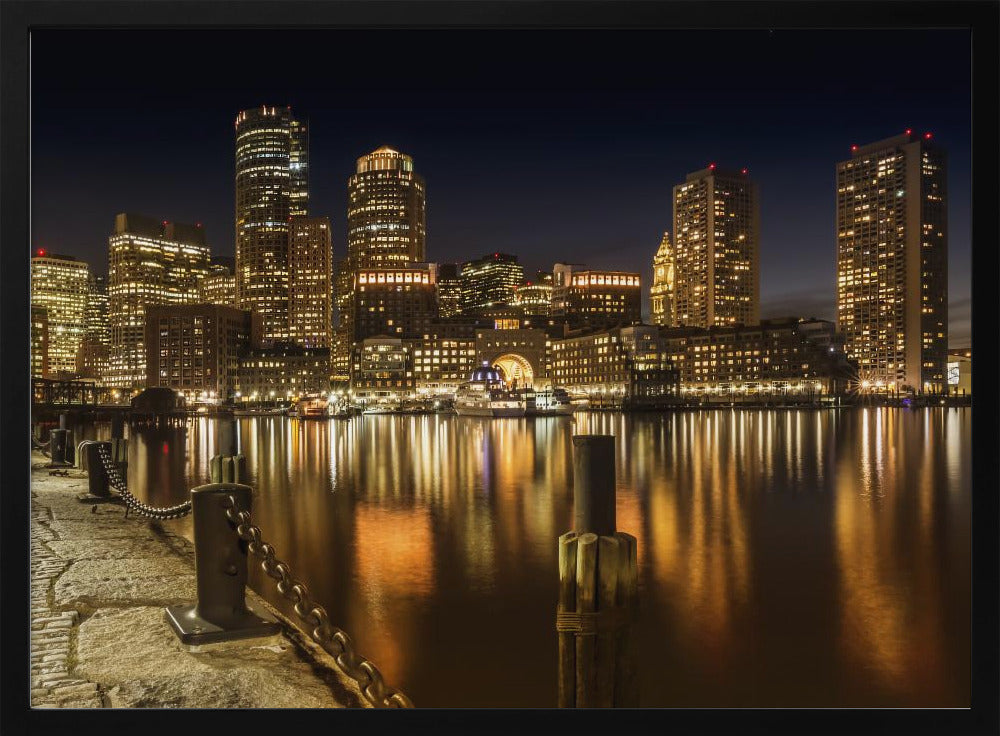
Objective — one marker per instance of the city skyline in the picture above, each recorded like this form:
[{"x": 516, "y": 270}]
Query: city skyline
[{"x": 612, "y": 201}]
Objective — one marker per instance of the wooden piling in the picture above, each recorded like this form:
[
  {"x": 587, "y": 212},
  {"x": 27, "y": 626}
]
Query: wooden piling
[
  {"x": 626, "y": 676},
  {"x": 604, "y": 644},
  {"x": 567, "y": 604},
  {"x": 586, "y": 603}
]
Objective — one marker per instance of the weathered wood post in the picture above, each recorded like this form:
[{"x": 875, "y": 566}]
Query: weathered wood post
[
  {"x": 598, "y": 588},
  {"x": 228, "y": 466}
]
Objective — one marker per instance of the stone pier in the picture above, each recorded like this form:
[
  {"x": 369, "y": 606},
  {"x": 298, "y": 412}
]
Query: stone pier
[{"x": 99, "y": 583}]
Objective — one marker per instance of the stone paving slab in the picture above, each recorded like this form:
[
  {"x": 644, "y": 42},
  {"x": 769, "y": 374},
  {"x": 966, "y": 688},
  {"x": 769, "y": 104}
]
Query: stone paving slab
[{"x": 99, "y": 638}]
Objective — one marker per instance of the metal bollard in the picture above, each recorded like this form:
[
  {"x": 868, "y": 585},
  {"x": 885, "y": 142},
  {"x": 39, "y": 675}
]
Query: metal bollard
[
  {"x": 97, "y": 476},
  {"x": 221, "y": 612},
  {"x": 57, "y": 446},
  {"x": 117, "y": 426}
]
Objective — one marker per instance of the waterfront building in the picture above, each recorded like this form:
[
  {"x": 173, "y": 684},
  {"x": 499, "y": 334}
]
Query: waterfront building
[
  {"x": 521, "y": 355},
  {"x": 382, "y": 371},
  {"x": 386, "y": 229},
  {"x": 960, "y": 372},
  {"x": 149, "y": 263},
  {"x": 716, "y": 250},
  {"x": 617, "y": 366},
  {"x": 449, "y": 290},
  {"x": 490, "y": 281},
  {"x": 442, "y": 362},
  {"x": 272, "y": 185},
  {"x": 788, "y": 356},
  {"x": 93, "y": 359},
  {"x": 195, "y": 349},
  {"x": 39, "y": 341},
  {"x": 661, "y": 292},
  {"x": 585, "y": 297},
  {"x": 218, "y": 286},
  {"x": 277, "y": 373},
  {"x": 892, "y": 262},
  {"x": 310, "y": 285},
  {"x": 398, "y": 302},
  {"x": 535, "y": 297},
  {"x": 60, "y": 284}
]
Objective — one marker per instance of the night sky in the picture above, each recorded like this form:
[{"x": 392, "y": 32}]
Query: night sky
[{"x": 552, "y": 145}]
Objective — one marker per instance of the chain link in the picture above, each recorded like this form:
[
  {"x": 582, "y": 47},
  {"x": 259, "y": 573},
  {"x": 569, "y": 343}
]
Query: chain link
[
  {"x": 116, "y": 481},
  {"x": 332, "y": 639}
]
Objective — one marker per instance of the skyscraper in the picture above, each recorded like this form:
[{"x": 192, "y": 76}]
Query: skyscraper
[
  {"x": 218, "y": 286},
  {"x": 272, "y": 177},
  {"x": 310, "y": 282},
  {"x": 60, "y": 285},
  {"x": 149, "y": 262},
  {"x": 386, "y": 228},
  {"x": 892, "y": 262},
  {"x": 490, "y": 281},
  {"x": 661, "y": 293},
  {"x": 449, "y": 290},
  {"x": 94, "y": 355},
  {"x": 716, "y": 251}
]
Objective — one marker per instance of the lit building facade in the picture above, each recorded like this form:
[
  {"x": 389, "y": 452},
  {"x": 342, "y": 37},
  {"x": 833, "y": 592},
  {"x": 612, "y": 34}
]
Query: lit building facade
[
  {"x": 490, "y": 281},
  {"x": 39, "y": 341},
  {"x": 382, "y": 371},
  {"x": 618, "y": 366},
  {"x": 60, "y": 284},
  {"x": 661, "y": 292},
  {"x": 584, "y": 297},
  {"x": 535, "y": 297},
  {"x": 272, "y": 185},
  {"x": 960, "y": 372},
  {"x": 442, "y": 363},
  {"x": 195, "y": 349},
  {"x": 149, "y": 263},
  {"x": 280, "y": 373},
  {"x": 399, "y": 303},
  {"x": 521, "y": 355},
  {"x": 787, "y": 357},
  {"x": 716, "y": 250},
  {"x": 892, "y": 262},
  {"x": 310, "y": 286},
  {"x": 449, "y": 290},
  {"x": 218, "y": 286},
  {"x": 386, "y": 229},
  {"x": 93, "y": 359}
]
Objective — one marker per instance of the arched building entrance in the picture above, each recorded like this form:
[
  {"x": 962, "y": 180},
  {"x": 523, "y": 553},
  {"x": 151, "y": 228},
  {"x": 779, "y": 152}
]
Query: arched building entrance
[{"x": 515, "y": 370}]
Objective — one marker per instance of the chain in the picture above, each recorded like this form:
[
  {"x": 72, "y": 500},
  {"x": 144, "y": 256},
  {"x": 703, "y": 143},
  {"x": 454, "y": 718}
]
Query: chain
[
  {"x": 333, "y": 640},
  {"x": 41, "y": 446},
  {"x": 116, "y": 481}
]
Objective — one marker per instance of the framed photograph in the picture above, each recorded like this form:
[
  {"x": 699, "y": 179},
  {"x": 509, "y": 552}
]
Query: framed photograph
[{"x": 490, "y": 362}]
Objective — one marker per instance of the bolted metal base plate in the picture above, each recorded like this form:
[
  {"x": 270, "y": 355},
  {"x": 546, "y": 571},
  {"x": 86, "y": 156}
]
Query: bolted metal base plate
[{"x": 193, "y": 629}]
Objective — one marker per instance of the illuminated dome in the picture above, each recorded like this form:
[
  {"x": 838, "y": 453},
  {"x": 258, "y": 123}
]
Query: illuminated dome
[{"x": 487, "y": 373}]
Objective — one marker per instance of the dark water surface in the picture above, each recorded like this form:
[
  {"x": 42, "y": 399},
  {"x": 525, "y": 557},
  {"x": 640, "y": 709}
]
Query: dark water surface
[{"x": 787, "y": 558}]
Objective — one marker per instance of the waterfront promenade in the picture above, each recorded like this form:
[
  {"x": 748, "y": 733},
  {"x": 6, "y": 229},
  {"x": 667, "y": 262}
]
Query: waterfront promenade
[{"x": 99, "y": 583}]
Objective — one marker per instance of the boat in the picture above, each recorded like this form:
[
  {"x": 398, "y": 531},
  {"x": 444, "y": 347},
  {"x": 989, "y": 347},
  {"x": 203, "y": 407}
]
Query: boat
[
  {"x": 486, "y": 394},
  {"x": 314, "y": 407},
  {"x": 548, "y": 402},
  {"x": 381, "y": 409}
]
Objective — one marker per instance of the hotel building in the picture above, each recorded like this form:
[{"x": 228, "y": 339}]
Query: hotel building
[
  {"x": 398, "y": 302},
  {"x": 310, "y": 284},
  {"x": 272, "y": 185},
  {"x": 279, "y": 373},
  {"x": 716, "y": 251},
  {"x": 382, "y": 371},
  {"x": 60, "y": 284},
  {"x": 584, "y": 297},
  {"x": 149, "y": 263},
  {"x": 892, "y": 262}
]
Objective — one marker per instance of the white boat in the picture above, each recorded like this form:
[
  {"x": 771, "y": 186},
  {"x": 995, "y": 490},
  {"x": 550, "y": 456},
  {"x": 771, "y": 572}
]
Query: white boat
[
  {"x": 381, "y": 409},
  {"x": 486, "y": 394},
  {"x": 313, "y": 408},
  {"x": 549, "y": 402}
]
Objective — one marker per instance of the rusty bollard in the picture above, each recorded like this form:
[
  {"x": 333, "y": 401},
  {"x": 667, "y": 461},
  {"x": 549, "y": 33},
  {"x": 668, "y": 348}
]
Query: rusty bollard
[
  {"x": 221, "y": 612},
  {"x": 598, "y": 588}
]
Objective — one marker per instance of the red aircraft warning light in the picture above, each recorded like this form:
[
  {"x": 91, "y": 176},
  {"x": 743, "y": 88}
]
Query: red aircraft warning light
[
  {"x": 927, "y": 136},
  {"x": 41, "y": 251},
  {"x": 909, "y": 131},
  {"x": 854, "y": 147},
  {"x": 711, "y": 167},
  {"x": 744, "y": 171}
]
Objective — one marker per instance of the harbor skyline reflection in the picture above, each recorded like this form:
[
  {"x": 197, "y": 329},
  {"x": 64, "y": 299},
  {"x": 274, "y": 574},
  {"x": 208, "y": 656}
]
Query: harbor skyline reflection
[{"x": 786, "y": 558}]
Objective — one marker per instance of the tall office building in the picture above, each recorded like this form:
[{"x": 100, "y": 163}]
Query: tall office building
[
  {"x": 449, "y": 290},
  {"x": 535, "y": 297},
  {"x": 892, "y": 261},
  {"x": 661, "y": 293},
  {"x": 490, "y": 281},
  {"x": 310, "y": 282},
  {"x": 149, "y": 263},
  {"x": 218, "y": 286},
  {"x": 39, "y": 341},
  {"x": 716, "y": 253},
  {"x": 386, "y": 228},
  {"x": 94, "y": 355},
  {"x": 272, "y": 178},
  {"x": 585, "y": 297},
  {"x": 60, "y": 285}
]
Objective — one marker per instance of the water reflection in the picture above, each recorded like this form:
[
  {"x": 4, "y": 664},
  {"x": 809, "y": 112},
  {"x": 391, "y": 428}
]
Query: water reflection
[{"x": 786, "y": 558}]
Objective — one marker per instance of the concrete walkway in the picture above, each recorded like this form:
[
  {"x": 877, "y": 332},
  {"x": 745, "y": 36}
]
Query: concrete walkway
[{"x": 99, "y": 583}]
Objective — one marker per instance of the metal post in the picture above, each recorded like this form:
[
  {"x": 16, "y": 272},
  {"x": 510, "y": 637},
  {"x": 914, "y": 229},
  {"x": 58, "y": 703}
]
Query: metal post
[
  {"x": 97, "y": 475},
  {"x": 221, "y": 612},
  {"x": 594, "y": 484},
  {"x": 117, "y": 425},
  {"x": 57, "y": 446}
]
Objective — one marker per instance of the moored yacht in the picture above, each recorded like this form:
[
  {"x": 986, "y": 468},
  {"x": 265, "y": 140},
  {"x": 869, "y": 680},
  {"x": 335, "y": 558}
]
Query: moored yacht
[
  {"x": 486, "y": 394},
  {"x": 548, "y": 402}
]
